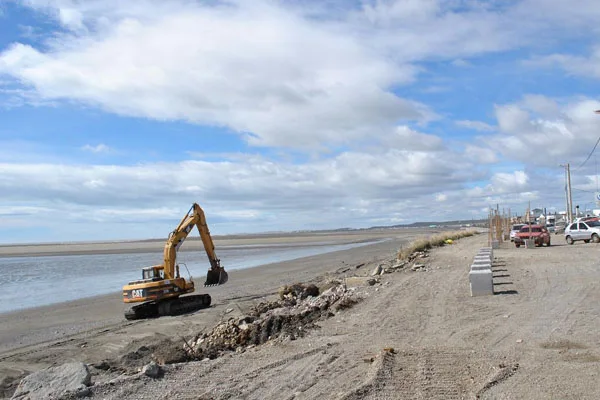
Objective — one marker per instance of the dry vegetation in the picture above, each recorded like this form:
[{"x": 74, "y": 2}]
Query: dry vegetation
[{"x": 429, "y": 242}]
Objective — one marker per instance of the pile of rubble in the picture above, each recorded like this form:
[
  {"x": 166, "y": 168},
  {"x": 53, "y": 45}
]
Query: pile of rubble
[
  {"x": 414, "y": 260},
  {"x": 418, "y": 254},
  {"x": 297, "y": 310}
]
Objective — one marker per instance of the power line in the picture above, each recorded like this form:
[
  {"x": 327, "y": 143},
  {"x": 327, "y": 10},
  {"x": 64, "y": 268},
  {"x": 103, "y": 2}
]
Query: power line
[
  {"x": 588, "y": 157},
  {"x": 581, "y": 190}
]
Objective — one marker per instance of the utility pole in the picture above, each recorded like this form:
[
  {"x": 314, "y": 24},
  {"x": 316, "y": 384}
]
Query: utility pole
[
  {"x": 569, "y": 193},
  {"x": 568, "y": 196}
]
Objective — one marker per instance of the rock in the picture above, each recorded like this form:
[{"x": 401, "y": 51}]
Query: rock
[
  {"x": 371, "y": 281},
  {"x": 417, "y": 267},
  {"x": 55, "y": 382},
  {"x": 358, "y": 281},
  {"x": 103, "y": 365},
  {"x": 298, "y": 290},
  {"x": 151, "y": 369},
  {"x": 377, "y": 270},
  {"x": 244, "y": 326},
  {"x": 228, "y": 310},
  {"x": 310, "y": 290}
]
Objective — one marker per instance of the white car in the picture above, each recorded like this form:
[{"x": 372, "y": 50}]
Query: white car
[
  {"x": 586, "y": 231},
  {"x": 514, "y": 230}
]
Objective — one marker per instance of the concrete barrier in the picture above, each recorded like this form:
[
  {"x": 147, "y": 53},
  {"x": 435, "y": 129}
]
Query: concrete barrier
[
  {"x": 481, "y": 279},
  {"x": 482, "y": 262},
  {"x": 487, "y": 250},
  {"x": 481, "y": 282},
  {"x": 482, "y": 258}
]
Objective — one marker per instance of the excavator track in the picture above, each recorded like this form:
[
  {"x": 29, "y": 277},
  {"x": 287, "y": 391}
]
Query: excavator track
[{"x": 172, "y": 306}]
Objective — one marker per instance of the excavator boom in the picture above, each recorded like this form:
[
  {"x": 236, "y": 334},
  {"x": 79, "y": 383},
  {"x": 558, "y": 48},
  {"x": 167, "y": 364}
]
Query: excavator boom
[{"x": 195, "y": 217}]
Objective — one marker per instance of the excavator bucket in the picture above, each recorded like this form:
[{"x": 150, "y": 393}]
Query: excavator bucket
[{"x": 216, "y": 276}]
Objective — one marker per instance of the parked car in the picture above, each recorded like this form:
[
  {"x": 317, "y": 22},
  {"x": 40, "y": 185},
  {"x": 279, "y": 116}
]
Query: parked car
[
  {"x": 538, "y": 233},
  {"x": 514, "y": 230},
  {"x": 586, "y": 219},
  {"x": 586, "y": 231},
  {"x": 559, "y": 227}
]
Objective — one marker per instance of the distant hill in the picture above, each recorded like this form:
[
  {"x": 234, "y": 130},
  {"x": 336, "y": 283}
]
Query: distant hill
[{"x": 425, "y": 224}]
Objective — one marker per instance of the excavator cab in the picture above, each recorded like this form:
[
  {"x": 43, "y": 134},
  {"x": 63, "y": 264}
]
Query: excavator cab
[{"x": 154, "y": 273}]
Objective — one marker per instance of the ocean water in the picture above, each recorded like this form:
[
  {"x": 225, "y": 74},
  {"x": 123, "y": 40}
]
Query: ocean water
[{"x": 36, "y": 281}]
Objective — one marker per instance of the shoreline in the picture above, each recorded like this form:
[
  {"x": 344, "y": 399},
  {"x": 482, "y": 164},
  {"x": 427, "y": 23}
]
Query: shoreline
[
  {"x": 43, "y": 324},
  {"x": 194, "y": 243},
  {"x": 268, "y": 258}
]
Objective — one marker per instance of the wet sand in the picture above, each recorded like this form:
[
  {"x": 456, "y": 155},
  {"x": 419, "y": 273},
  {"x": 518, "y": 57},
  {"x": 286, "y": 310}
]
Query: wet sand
[{"x": 194, "y": 243}]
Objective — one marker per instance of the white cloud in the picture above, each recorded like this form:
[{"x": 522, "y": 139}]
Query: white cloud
[
  {"x": 99, "y": 148},
  {"x": 512, "y": 118},
  {"x": 459, "y": 62},
  {"x": 541, "y": 105},
  {"x": 242, "y": 195},
  {"x": 436, "y": 89},
  {"x": 574, "y": 64},
  {"x": 278, "y": 86},
  {"x": 299, "y": 76},
  {"x": 507, "y": 186},
  {"x": 545, "y": 139},
  {"x": 507, "y": 182},
  {"x": 436, "y": 29},
  {"x": 480, "y": 155},
  {"x": 476, "y": 125},
  {"x": 406, "y": 138},
  {"x": 295, "y": 76},
  {"x": 14, "y": 211}
]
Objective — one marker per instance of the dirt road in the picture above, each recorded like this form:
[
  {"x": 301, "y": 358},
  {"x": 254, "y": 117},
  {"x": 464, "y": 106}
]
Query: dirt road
[{"x": 537, "y": 337}]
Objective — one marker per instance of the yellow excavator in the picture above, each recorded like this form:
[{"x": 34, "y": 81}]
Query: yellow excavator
[{"x": 161, "y": 285}]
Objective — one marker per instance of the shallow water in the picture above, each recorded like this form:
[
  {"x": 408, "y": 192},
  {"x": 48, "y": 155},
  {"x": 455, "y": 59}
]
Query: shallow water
[{"x": 36, "y": 281}]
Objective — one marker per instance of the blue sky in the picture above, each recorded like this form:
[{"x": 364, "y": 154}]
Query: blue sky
[{"x": 277, "y": 115}]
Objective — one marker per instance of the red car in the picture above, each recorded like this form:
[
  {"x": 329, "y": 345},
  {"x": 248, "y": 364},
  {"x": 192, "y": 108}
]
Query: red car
[{"x": 536, "y": 232}]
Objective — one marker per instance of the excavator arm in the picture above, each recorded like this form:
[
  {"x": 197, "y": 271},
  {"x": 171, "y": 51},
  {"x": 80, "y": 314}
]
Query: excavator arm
[
  {"x": 216, "y": 274},
  {"x": 195, "y": 217}
]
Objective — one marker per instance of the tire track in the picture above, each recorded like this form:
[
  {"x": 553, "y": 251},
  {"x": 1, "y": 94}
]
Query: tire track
[{"x": 428, "y": 373}]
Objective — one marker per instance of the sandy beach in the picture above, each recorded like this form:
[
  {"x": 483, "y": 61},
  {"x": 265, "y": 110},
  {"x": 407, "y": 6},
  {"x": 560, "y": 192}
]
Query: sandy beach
[
  {"x": 414, "y": 334},
  {"x": 28, "y": 338}
]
